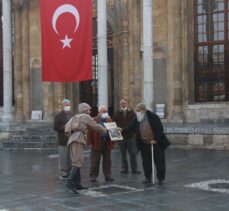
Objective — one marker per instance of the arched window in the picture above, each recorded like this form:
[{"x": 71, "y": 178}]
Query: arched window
[{"x": 211, "y": 50}]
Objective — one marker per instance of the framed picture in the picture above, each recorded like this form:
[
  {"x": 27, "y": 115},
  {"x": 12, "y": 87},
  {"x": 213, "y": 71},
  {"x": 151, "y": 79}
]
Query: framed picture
[{"x": 114, "y": 132}]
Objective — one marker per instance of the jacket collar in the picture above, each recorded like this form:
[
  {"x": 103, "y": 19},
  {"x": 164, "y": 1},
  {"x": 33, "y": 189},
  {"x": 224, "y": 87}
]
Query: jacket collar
[{"x": 128, "y": 109}]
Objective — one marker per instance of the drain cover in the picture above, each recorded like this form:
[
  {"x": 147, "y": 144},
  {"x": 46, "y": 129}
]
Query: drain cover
[{"x": 218, "y": 185}]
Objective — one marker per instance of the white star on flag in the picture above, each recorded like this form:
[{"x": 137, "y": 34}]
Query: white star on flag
[{"x": 66, "y": 42}]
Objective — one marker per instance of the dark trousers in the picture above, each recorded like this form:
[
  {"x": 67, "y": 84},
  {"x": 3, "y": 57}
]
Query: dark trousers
[
  {"x": 159, "y": 160},
  {"x": 95, "y": 162},
  {"x": 130, "y": 146}
]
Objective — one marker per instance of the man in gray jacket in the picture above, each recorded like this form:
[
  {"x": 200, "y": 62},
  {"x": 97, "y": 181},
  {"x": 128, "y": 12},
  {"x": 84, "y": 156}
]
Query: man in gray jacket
[
  {"x": 77, "y": 127},
  {"x": 60, "y": 119}
]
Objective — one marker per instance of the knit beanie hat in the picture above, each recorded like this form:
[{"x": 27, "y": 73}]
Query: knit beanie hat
[{"x": 66, "y": 101}]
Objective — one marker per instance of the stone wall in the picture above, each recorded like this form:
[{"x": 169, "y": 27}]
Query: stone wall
[
  {"x": 199, "y": 136},
  {"x": 173, "y": 62}
]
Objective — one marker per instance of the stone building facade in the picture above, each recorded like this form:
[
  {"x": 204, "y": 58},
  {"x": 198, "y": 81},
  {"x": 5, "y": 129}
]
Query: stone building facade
[{"x": 175, "y": 63}]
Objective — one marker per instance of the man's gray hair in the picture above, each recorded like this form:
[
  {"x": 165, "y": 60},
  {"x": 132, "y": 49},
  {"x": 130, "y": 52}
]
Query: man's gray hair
[
  {"x": 102, "y": 107},
  {"x": 141, "y": 106}
]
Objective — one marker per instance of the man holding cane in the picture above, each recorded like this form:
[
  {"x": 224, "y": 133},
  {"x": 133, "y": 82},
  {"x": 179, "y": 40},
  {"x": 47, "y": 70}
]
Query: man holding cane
[{"x": 149, "y": 131}]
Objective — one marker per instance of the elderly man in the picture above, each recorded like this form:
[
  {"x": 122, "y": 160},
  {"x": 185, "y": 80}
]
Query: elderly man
[
  {"x": 60, "y": 119},
  {"x": 101, "y": 145},
  {"x": 149, "y": 130},
  {"x": 123, "y": 117},
  {"x": 77, "y": 127}
]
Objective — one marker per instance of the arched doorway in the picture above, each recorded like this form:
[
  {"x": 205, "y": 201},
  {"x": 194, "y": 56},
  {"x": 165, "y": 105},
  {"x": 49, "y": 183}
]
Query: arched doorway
[{"x": 89, "y": 89}]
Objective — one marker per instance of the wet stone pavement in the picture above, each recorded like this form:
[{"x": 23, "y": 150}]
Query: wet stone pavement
[{"x": 196, "y": 180}]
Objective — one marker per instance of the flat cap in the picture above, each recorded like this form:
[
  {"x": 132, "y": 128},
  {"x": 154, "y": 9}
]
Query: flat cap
[{"x": 83, "y": 107}]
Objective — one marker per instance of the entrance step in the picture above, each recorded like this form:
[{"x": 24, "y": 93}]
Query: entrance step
[{"x": 31, "y": 137}]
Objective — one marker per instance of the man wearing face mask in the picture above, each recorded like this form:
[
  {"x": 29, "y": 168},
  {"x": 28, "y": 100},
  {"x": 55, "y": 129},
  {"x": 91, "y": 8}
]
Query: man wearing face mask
[
  {"x": 60, "y": 120},
  {"x": 123, "y": 117},
  {"x": 149, "y": 130},
  {"x": 101, "y": 146}
]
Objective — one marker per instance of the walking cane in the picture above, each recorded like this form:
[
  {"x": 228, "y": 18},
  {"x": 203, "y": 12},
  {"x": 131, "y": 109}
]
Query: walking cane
[{"x": 152, "y": 163}]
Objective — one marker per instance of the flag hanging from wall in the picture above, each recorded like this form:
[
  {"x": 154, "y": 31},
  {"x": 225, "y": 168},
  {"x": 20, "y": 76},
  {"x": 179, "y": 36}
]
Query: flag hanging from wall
[{"x": 66, "y": 39}]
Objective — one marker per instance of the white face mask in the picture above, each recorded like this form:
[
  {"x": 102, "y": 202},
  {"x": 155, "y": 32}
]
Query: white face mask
[
  {"x": 124, "y": 109},
  {"x": 140, "y": 116},
  {"x": 67, "y": 108},
  {"x": 104, "y": 115}
]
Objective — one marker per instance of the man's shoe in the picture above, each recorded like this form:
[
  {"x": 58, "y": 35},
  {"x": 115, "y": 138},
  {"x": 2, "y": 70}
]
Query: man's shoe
[
  {"x": 80, "y": 187},
  {"x": 72, "y": 188},
  {"x": 124, "y": 172},
  {"x": 136, "y": 172},
  {"x": 160, "y": 182},
  {"x": 147, "y": 181},
  {"x": 64, "y": 177},
  {"x": 109, "y": 179}
]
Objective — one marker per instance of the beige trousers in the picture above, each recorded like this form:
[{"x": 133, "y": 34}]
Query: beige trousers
[{"x": 76, "y": 154}]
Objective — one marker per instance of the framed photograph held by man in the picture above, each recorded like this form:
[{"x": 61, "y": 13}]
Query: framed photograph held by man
[{"x": 114, "y": 132}]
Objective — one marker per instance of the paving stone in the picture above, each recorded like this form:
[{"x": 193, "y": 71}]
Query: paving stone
[{"x": 29, "y": 181}]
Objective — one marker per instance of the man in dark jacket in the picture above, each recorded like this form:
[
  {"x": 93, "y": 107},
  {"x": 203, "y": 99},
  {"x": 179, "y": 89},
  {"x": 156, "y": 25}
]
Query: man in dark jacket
[
  {"x": 60, "y": 120},
  {"x": 123, "y": 117},
  {"x": 149, "y": 130}
]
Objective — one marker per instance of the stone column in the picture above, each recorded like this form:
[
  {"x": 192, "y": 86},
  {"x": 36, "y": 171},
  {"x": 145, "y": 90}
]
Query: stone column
[
  {"x": 124, "y": 39},
  {"x": 18, "y": 62},
  {"x": 59, "y": 96},
  {"x": 7, "y": 62},
  {"x": 25, "y": 60},
  {"x": 75, "y": 96},
  {"x": 135, "y": 68},
  {"x": 175, "y": 74},
  {"x": 148, "y": 53},
  {"x": 102, "y": 54},
  {"x": 69, "y": 93},
  {"x": 48, "y": 101}
]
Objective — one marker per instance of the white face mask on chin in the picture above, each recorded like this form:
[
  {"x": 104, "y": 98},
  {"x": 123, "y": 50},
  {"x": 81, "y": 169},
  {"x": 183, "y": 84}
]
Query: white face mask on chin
[
  {"x": 124, "y": 109},
  {"x": 67, "y": 108},
  {"x": 104, "y": 115},
  {"x": 140, "y": 116}
]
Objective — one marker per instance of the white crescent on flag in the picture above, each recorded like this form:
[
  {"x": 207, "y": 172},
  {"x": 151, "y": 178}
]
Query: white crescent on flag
[{"x": 65, "y": 8}]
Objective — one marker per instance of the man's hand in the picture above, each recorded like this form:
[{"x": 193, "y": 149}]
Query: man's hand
[
  {"x": 153, "y": 142},
  {"x": 119, "y": 128},
  {"x": 68, "y": 134}
]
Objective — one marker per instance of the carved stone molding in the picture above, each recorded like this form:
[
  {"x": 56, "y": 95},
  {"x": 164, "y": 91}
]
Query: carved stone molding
[{"x": 110, "y": 4}]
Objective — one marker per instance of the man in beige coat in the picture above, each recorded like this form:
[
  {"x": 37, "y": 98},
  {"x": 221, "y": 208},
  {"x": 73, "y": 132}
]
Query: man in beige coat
[{"x": 77, "y": 128}]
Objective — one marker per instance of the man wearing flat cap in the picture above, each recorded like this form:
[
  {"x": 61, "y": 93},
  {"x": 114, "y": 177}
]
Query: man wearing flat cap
[
  {"x": 77, "y": 128},
  {"x": 149, "y": 130}
]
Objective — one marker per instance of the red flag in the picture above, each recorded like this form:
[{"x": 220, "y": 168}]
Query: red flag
[{"x": 66, "y": 33}]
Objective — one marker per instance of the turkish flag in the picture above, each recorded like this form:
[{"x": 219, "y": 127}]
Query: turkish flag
[{"x": 66, "y": 37}]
